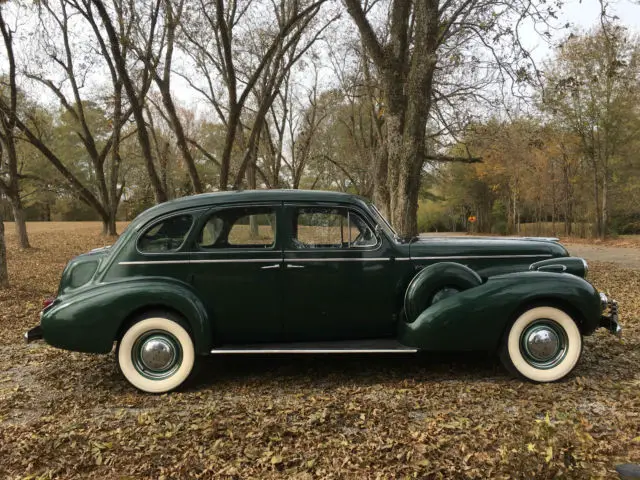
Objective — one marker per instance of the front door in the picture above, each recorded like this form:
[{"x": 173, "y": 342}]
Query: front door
[
  {"x": 336, "y": 278},
  {"x": 236, "y": 265}
]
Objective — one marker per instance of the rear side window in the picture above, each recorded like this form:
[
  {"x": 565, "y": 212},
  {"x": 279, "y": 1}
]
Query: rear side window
[
  {"x": 245, "y": 227},
  {"x": 165, "y": 236}
]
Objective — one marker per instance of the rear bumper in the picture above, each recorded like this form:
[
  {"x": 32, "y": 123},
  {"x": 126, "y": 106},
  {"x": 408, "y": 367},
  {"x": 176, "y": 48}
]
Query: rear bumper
[
  {"x": 34, "y": 334},
  {"x": 609, "y": 318}
]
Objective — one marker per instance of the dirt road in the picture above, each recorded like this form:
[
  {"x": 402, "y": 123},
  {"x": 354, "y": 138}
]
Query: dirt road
[{"x": 625, "y": 257}]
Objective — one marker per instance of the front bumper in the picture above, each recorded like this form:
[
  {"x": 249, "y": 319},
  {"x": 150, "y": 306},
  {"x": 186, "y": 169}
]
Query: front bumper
[
  {"x": 34, "y": 334},
  {"x": 609, "y": 318}
]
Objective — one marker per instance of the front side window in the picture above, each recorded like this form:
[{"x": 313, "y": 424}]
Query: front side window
[
  {"x": 330, "y": 228},
  {"x": 245, "y": 227},
  {"x": 165, "y": 236}
]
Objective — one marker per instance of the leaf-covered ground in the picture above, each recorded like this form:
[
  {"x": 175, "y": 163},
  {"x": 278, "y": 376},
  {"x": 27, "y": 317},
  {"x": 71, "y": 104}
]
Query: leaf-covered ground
[{"x": 70, "y": 415}]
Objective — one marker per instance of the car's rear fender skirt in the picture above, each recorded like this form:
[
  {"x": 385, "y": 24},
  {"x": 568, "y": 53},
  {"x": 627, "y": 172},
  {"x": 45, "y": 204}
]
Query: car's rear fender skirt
[
  {"x": 91, "y": 320},
  {"x": 475, "y": 319}
]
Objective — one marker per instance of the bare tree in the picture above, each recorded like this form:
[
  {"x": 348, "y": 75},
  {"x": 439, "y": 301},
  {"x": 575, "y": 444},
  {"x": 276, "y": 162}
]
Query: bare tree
[
  {"x": 136, "y": 91},
  {"x": 240, "y": 70},
  {"x": 9, "y": 175},
  {"x": 166, "y": 17},
  {"x": 406, "y": 56},
  {"x": 68, "y": 86}
]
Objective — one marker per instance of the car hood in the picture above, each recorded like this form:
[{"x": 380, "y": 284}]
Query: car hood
[{"x": 486, "y": 246}]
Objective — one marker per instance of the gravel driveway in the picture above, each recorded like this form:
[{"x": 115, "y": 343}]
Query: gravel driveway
[{"x": 626, "y": 257}]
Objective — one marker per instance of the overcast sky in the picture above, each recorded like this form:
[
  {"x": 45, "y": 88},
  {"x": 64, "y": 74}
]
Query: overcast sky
[{"x": 586, "y": 14}]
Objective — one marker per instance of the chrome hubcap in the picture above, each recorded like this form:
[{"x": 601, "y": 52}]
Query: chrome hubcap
[
  {"x": 544, "y": 344},
  {"x": 156, "y": 355}
]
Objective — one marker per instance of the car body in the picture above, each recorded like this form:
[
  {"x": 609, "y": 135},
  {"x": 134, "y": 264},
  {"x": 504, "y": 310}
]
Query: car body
[{"x": 270, "y": 271}]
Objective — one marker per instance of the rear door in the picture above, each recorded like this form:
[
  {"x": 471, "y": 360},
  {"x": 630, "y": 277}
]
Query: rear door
[
  {"x": 336, "y": 277},
  {"x": 236, "y": 264}
]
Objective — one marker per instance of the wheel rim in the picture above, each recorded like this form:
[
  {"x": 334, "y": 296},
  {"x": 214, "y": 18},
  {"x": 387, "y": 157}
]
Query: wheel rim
[
  {"x": 543, "y": 344},
  {"x": 156, "y": 355}
]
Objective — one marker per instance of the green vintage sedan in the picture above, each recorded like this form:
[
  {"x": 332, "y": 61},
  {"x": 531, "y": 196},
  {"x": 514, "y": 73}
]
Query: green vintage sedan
[{"x": 278, "y": 271}]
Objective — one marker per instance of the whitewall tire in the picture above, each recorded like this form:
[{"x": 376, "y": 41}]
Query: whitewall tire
[
  {"x": 544, "y": 344},
  {"x": 156, "y": 354}
]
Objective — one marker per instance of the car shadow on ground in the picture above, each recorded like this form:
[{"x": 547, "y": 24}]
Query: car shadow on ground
[{"x": 354, "y": 369}]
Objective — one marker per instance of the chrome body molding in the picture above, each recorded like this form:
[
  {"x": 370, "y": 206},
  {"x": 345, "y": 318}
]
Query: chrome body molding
[
  {"x": 248, "y": 351},
  {"x": 475, "y": 257},
  {"x": 153, "y": 262},
  {"x": 256, "y": 260},
  {"x": 339, "y": 259}
]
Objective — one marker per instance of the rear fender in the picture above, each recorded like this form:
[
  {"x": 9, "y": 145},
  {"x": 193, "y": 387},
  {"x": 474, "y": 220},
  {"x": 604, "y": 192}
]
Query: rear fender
[
  {"x": 89, "y": 320},
  {"x": 477, "y": 318}
]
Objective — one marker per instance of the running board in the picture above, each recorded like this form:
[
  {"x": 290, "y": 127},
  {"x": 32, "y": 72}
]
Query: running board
[{"x": 362, "y": 346}]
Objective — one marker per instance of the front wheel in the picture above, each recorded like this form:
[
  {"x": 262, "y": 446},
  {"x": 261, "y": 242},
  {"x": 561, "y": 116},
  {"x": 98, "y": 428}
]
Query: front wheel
[
  {"x": 156, "y": 354},
  {"x": 544, "y": 344}
]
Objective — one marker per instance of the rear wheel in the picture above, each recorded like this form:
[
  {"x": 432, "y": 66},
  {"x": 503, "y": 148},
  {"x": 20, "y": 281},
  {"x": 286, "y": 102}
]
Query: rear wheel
[
  {"x": 156, "y": 354},
  {"x": 544, "y": 344}
]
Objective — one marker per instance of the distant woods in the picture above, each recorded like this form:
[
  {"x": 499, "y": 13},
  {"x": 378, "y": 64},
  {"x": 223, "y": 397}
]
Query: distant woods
[
  {"x": 108, "y": 107},
  {"x": 571, "y": 167}
]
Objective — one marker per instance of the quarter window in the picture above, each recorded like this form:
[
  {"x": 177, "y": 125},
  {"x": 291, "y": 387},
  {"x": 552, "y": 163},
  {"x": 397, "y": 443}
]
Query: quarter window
[
  {"x": 330, "y": 228},
  {"x": 165, "y": 236},
  {"x": 250, "y": 227}
]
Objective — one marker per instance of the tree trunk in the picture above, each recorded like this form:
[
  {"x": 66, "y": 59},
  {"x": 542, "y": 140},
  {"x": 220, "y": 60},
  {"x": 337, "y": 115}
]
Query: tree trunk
[
  {"x": 4, "y": 275},
  {"x": 381, "y": 196},
  {"x": 109, "y": 226},
  {"x": 596, "y": 198},
  {"x": 605, "y": 206},
  {"x": 21, "y": 225}
]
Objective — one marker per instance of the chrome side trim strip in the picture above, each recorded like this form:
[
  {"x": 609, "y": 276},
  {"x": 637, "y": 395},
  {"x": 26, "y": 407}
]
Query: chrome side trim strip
[
  {"x": 464, "y": 257},
  {"x": 255, "y": 260},
  {"x": 238, "y": 260},
  {"x": 152, "y": 262},
  {"x": 311, "y": 350},
  {"x": 337, "y": 259}
]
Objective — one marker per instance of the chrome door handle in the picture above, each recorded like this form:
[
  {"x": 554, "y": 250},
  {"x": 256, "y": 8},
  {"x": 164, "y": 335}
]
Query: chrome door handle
[
  {"x": 270, "y": 267},
  {"x": 291, "y": 265}
]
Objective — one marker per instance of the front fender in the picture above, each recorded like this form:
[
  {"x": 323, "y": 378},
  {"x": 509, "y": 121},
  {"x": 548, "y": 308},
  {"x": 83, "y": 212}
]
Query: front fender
[
  {"x": 477, "y": 318},
  {"x": 88, "y": 320}
]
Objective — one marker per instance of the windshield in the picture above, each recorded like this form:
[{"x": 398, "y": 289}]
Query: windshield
[{"x": 383, "y": 222}]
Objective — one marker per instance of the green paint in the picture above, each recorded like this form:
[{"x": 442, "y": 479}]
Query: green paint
[{"x": 227, "y": 296}]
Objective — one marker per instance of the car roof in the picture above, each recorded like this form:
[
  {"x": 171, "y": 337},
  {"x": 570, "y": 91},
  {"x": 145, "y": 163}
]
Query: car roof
[{"x": 243, "y": 196}]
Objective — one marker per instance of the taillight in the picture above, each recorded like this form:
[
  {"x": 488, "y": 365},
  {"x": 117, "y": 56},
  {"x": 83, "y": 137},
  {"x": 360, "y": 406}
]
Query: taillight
[{"x": 46, "y": 302}]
